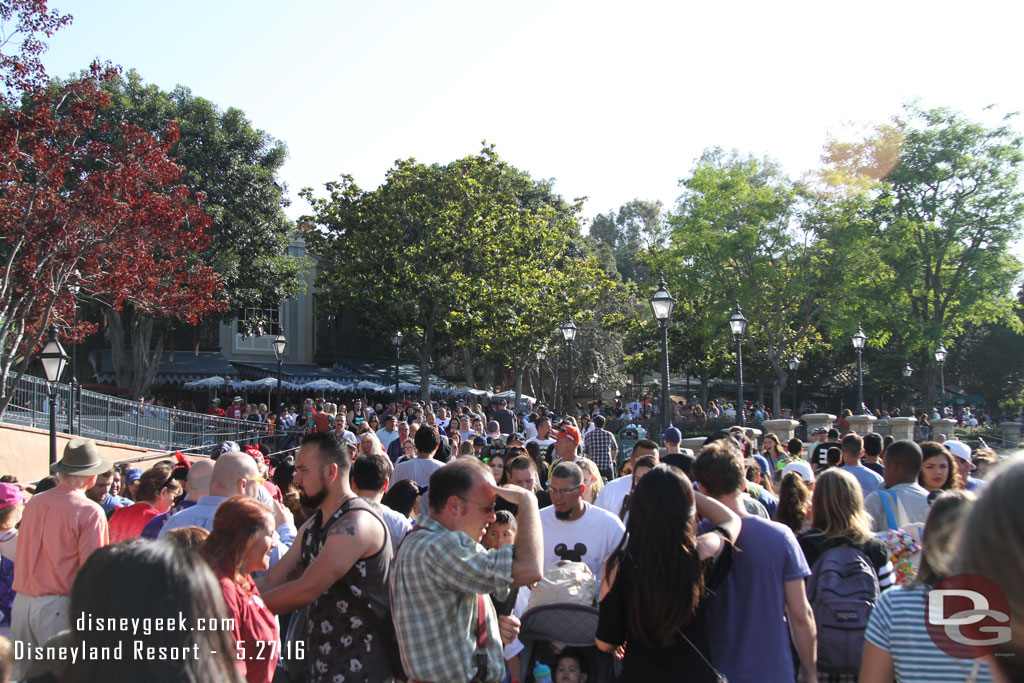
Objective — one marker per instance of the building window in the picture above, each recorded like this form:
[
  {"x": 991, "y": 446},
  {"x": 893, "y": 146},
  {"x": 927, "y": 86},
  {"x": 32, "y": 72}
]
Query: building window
[
  {"x": 259, "y": 322},
  {"x": 256, "y": 329}
]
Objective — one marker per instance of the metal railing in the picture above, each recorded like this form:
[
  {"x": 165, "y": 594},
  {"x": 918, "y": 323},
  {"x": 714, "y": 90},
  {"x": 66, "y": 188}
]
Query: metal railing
[{"x": 108, "y": 418}]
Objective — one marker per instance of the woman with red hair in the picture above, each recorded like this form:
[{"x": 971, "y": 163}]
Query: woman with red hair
[{"x": 240, "y": 543}]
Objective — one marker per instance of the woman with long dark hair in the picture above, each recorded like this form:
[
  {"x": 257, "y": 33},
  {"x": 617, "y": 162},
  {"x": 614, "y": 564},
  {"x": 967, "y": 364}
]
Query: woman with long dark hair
[
  {"x": 938, "y": 468},
  {"x": 240, "y": 543},
  {"x": 656, "y": 581},
  {"x": 156, "y": 581}
]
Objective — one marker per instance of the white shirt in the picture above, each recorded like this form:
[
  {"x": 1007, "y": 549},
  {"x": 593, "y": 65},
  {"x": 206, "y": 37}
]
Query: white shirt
[
  {"x": 589, "y": 539},
  {"x": 614, "y": 493}
]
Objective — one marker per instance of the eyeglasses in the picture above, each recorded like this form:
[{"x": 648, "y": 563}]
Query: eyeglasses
[
  {"x": 486, "y": 509},
  {"x": 564, "y": 492}
]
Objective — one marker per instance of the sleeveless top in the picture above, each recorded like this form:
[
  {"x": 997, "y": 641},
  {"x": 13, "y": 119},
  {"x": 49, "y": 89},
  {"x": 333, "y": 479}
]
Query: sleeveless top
[{"x": 346, "y": 630}]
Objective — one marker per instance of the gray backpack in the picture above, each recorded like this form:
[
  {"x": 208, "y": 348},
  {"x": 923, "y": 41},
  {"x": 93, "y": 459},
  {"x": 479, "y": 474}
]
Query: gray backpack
[{"x": 842, "y": 590}]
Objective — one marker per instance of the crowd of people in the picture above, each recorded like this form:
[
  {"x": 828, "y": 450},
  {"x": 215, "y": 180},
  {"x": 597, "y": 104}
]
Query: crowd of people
[{"x": 432, "y": 542}]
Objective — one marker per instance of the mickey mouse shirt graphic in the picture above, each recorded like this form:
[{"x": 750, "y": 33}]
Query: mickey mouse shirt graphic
[{"x": 590, "y": 539}]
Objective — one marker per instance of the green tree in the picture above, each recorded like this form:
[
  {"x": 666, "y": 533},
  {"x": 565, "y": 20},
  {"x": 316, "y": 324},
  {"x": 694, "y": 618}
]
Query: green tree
[
  {"x": 235, "y": 166},
  {"x": 637, "y": 226},
  {"x": 473, "y": 253},
  {"x": 946, "y": 214},
  {"x": 744, "y": 232}
]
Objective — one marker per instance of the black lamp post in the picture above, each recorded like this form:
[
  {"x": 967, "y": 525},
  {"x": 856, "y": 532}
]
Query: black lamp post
[
  {"x": 54, "y": 359},
  {"x": 794, "y": 365},
  {"x": 940, "y": 358},
  {"x": 396, "y": 341},
  {"x": 662, "y": 304},
  {"x": 738, "y": 327},
  {"x": 75, "y": 387},
  {"x": 279, "y": 346},
  {"x": 907, "y": 372},
  {"x": 859, "y": 340},
  {"x": 569, "y": 330}
]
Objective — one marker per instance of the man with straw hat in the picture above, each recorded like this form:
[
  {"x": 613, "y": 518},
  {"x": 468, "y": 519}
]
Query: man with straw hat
[{"x": 59, "y": 530}]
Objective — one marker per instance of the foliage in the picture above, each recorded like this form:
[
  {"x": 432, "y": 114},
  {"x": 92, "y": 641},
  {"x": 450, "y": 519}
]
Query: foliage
[
  {"x": 94, "y": 206},
  {"x": 24, "y": 24},
  {"x": 743, "y": 232},
  {"x": 636, "y": 227},
  {"x": 473, "y": 250},
  {"x": 946, "y": 217}
]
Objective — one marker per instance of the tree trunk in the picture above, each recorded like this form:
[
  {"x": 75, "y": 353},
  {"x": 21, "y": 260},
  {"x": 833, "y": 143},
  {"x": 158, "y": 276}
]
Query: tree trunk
[
  {"x": 469, "y": 367},
  {"x": 520, "y": 369},
  {"x": 488, "y": 381},
  {"x": 704, "y": 390},
  {"x": 146, "y": 364},
  {"x": 116, "y": 335}
]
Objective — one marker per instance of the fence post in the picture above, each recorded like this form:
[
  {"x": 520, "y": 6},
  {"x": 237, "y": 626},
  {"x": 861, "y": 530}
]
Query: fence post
[
  {"x": 138, "y": 416},
  {"x": 35, "y": 391}
]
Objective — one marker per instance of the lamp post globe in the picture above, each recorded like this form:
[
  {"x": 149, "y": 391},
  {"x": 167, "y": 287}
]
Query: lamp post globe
[
  {"x": 859, "y": 341},
  {"x": 662, "y": 304},
  {"x": 794, "y": 365},
  {"x": 279, "y": 345},
  {"x": 738, "y": 328},
  {"x": 54, "y": 359},
  {"x": 569, "y": 331},
  {"x": 396, "y": 341},
  {"x": 940, "y": 358}
]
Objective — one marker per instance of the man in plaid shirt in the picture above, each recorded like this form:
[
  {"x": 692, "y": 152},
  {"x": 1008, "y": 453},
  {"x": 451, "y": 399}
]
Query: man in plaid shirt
[
  {"x": 599, "y": 445},
  {"x": 441, "y": 569}
]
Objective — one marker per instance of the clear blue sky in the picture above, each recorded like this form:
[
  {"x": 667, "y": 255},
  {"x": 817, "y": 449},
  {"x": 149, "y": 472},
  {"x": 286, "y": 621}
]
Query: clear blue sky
[{"x": 613, "y": 100}]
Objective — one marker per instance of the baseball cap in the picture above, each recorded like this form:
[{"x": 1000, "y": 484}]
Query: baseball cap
[
  {"x": 960, "y": 450},
  {"x": 672, "y": 435},
  {"x": 216, "y": 400},
  {"x": 237, "y": 399},
  {"x": 516, "y": 437},
  {"x": 11, "y": 494},
  {"x": 479, "y": 441},
  {"x": 801, "y": 467},
  {"x": 132, "y": 474},
  {"x": 568, "y": 431},
  {"x": 229, "y": 447},
  {"x": 818, "y": 430}
]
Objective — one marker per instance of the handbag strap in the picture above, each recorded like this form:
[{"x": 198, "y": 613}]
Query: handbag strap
[
  {"x": 716, "y": 672},
  {"x": 889, "y": 517}
]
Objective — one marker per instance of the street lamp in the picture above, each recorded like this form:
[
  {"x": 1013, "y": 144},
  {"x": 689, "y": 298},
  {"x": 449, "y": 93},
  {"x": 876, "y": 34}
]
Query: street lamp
[
  {"x": 859, "y": 340},
  {"x": 794, "y": 365},
  {"x": 662, "y": 304},
  {"x": 569, "y": 330},
  {"x": 76, "y": 389},
  {"x": 279, "y": 345},
  {"x": 593, "y": 386},
  {"x": 940, "y": 358},
  {"x": 396, "y": 341},
  {"x": 738, "y": 327},
  {"x": 541, "y": 355},
  {"x": 54, "y": 359},
  {"x": 908, "y": 371}
]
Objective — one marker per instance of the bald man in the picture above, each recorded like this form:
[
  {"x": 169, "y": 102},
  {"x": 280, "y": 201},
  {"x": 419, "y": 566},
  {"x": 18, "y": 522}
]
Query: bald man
[
  {"x": 197, "y": 484},
  {"x": 234, "y": 474}
]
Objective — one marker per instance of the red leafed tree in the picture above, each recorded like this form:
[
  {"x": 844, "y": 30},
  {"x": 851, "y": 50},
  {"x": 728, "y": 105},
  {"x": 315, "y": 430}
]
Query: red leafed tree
[{"x": 86, "y": 204}]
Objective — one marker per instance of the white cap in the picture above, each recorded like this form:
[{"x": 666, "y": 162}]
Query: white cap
[
  {"x": 960, "y": 450},
  {"x": 801, "y": 467}
]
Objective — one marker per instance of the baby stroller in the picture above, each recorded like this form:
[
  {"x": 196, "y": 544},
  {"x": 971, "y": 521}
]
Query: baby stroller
[{"x": 569, "y": 624}]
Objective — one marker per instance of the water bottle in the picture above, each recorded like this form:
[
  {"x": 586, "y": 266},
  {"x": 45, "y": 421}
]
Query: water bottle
[{"x": 542, "y": 673}]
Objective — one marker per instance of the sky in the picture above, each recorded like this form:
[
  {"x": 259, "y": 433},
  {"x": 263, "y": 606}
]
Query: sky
[{"x": 614, "y": 101}]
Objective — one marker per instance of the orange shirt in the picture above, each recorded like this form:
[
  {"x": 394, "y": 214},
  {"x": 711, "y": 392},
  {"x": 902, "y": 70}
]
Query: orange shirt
[
  {"x": 128, "y": 522},
  {"x": 60, "y": 529}
]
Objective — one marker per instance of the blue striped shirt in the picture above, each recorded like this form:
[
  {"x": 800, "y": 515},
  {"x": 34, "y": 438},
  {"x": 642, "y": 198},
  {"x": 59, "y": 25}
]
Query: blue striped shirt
[{"x": 897, "y": 625}]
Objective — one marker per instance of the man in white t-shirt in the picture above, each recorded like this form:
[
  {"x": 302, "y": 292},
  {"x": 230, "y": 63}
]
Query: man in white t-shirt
[
  {"x": 573, "y": 528},
  {"x": 544, "y": 437},
  {"x": 423, "y": 465},
  {"x": 615, "y": 491}
]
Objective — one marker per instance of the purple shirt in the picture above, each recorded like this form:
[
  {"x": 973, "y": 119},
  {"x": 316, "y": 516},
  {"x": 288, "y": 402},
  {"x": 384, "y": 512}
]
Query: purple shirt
[{"x": 746, "y": 626}]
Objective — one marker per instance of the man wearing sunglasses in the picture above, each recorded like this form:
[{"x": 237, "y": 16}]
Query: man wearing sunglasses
[{"x": 447, "y": 627}]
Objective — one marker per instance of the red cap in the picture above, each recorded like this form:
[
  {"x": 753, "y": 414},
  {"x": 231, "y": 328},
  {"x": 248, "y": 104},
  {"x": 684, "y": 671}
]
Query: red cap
[{"x": 567, "y": 431}]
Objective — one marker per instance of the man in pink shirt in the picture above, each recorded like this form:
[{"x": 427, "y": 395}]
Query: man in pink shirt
[{"x": 59, "y": 530}]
